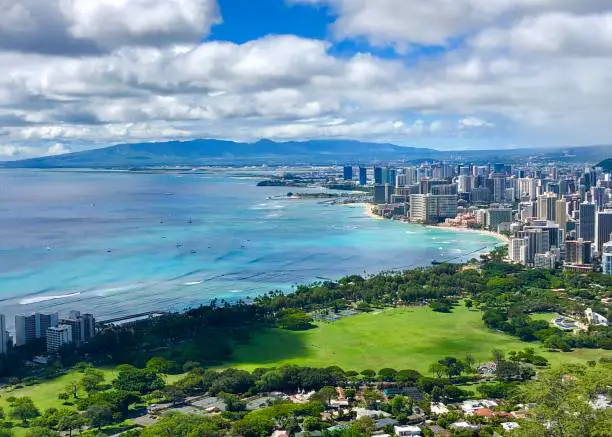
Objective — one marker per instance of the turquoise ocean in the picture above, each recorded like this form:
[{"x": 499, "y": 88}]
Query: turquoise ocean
[{"x": 118, "y": 243}]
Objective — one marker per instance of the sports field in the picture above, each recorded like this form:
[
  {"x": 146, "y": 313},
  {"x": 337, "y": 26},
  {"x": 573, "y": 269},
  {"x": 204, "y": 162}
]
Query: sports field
[{"x": 407, "y": 338}]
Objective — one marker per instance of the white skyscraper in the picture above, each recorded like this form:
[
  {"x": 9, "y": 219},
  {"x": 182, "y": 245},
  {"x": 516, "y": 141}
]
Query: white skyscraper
[
  {"x": 58, "y": 336},
  {"x": 28, "y": 328}
]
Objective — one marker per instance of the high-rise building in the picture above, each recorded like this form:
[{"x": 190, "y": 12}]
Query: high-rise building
[
  {"x": 380, "y": 194},
  {"x": 83, "y": 326},
  {"x": 527, "y": 210},
  {"x": 465, "y": 183},
  {"x": 598, "y": 195},
  {"x": 538, "y": 242},
  {"x": 58, "y": 336},
  {"x": 391, "y": 174},
  {"x": 578, "y": 252},
  {"x": 603, "y": 228},
  {"x": 497, "y": 216},
  {"x": 561, "y": 214},
  {"x": 545, "y": 260},
  {"x": 378, "y": 175},
  {"x": 517, "y": 250},
  {"x": 28, "y": 328},
  {"x": 547, "y": 204},
  {"x": 348, "y": 173},
  {"x": 363, "y": 176},
  {"x": 3, "y": 335},
  {"x": 606, "y": 258},
  {"x": 429, "y": 208},
  {"x": 586, "y": 214},
  {"x": 499, "y": 187}
]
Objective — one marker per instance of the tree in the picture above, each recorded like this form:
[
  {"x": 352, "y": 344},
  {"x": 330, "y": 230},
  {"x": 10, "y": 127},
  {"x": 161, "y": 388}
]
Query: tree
[
  {"x": 387, "y": 374},
  {"x": 368, "y": 373},
  {"x": 469, "y": 303},
  {"x": 372, "y": 396},
  {"x": 325, "y": 394},
  {"x": 452, "y": 366},
  {"x": 130, "y": 378},
  {"x": 557, "y": 342},
  {"x": 437, "y": 369},
  {"x": 72, "y": 389},
  {"x": 99, "y": 415},
  {"x": 498, "y": 355},
  {"x": 24, "y": 409},
  {"x": 91, "y": 380},
  {"x": 39, "y": 431},
  {"x": 162, "y": 365},
  {"x": 469, "y": 361},
  {"x": 69, "y": 420},
  {"x": 562, "y": 397},
  {"x": 436, "y": 394},
  {"x": 186, "y": 425},
  {"x": 2, "y": 413}
]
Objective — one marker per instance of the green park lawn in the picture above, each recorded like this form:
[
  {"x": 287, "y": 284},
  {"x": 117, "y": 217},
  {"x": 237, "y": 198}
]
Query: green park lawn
[{"x": 407, "y": 338}]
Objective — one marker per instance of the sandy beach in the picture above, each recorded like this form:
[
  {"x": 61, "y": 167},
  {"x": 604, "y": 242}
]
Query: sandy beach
[{"x": 500, "y": 237}]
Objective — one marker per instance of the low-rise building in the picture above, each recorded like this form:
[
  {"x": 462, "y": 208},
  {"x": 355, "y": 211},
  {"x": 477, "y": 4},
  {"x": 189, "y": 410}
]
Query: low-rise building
[
  {"x": 407, "y": 431},
  {"x": 594, "y": 318}
]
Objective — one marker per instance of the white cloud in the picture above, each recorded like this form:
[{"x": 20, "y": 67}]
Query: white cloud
[
  {"x": 90, "y": 26},
  {"x": 435, "y": 22},
  {"x": 58, "y": 149},
  {"x": 535, "y": 70},
  {"x": 13, "y": 151}
]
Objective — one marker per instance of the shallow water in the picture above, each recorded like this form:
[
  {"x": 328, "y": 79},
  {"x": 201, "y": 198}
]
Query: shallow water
[{"x": 116, "y": 243}]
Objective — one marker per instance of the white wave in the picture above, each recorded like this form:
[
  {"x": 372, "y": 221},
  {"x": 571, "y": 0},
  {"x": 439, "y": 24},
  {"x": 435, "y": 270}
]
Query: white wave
[
  {"x": 102, "y": 291},
  {"x": 38, "y": 299},
  {"x": 235, "y": 291},
  {"x": 193, "y": 283},
  {"x": 410, "y": 232}
]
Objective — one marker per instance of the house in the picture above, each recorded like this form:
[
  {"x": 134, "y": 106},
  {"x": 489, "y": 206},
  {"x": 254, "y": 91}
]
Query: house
[
  {"x": 407, "y": 431},
  {"x": 594, "y": 318},
  {"x": 438, "y": 408},
  {"x": 364, "y": 412},
  {"x": 411, "y": 392},
  {"x": 470, "y": 406},
  {"x": 439, "y": 431},
  {"x": 509, "y": 426},
  {"x": 339, "y": 403},
  {"x": 484, "y": 412},
  {"x": 464, "y": 425},
  {"x": 382, "y": 423},
  {"x": 280, "y": 434},
  {"x": 488, "y": 368}
]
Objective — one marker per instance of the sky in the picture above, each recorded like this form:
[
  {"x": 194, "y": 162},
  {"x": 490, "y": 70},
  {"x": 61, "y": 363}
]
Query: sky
[{"x": 446, "y": 74}]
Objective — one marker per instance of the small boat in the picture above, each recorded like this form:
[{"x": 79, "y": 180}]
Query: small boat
[
  {"x": 194, "y": 251},
  {"x": 435, "y": 263},
  {"x": 179, "y": 245}
]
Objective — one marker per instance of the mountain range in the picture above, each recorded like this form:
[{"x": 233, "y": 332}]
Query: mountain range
[{"x": 218, "y": 152}]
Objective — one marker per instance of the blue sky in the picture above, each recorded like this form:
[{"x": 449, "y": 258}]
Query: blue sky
[{"x": 453, "y": 75}]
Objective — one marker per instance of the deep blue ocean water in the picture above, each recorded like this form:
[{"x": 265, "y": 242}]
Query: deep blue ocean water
[{"x": 116, "y": 243}]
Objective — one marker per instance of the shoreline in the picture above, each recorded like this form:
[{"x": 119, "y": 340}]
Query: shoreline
[{"x": 499, "y": 237}]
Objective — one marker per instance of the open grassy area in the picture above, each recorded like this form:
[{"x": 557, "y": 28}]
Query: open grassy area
[
  {"x": 407, "y": 338},
  {"x": 547, "y": 317},
  {"x": 45, "y": 394}
]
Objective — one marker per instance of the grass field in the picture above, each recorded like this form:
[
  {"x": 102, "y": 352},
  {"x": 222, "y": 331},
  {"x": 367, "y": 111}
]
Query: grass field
[
  {"x": 45, "y": 394},
  {"x": 410, "y": 338}
]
